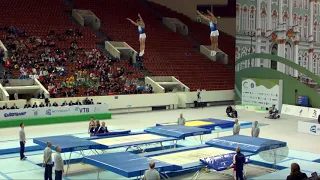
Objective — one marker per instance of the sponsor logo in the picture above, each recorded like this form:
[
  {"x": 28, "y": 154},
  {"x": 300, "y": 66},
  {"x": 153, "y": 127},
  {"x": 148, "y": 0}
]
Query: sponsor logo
[
  {"x": 245, "y": 84},
  {"x": 84, "y": 110},
  {"x": 48, "y": 112},
  {"x": 314, "y": 129},
  {"x": 35, "y": 113},
  {"x": 314, "y": 114},
  {"x": 15, "y": 114},
  {"x": 51, "y": 111}
]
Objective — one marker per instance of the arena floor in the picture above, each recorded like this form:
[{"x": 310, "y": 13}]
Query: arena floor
[{"x": 303, "y": 147}]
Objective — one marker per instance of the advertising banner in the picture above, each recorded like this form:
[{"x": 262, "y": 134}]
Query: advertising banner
[
  {"x": 309, "y": 128},
  {"x": 53, "y": 111},
  {"x": 262, "y": 92}
]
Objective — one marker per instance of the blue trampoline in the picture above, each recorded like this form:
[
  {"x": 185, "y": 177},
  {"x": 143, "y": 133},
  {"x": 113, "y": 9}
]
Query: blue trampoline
[
  {"x": 246, "y": 143},
  {"x": 209, "y": 123},
  {"x": 68, "y": 143},
  {"x": 127, "y": 164}
]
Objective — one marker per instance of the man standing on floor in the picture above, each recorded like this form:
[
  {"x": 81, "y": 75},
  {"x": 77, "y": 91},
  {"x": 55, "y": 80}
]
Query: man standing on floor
[
  {"x": 151, "y": 174},
  {"x": 47, "y": 162},
  {"x": 240, "y": 161},
  {"x": 236, "y": 127},
  {"x": 181, "y": 120},
  {"x": 58, "y": 164},
  {"x": 255, "y": 131},
  {"x": 22, "y": 136}
]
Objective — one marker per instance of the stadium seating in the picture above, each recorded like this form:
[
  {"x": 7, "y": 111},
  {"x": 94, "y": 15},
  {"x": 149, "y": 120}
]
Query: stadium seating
[
  {"x": 37, "y": 18},
  {"x": 167, "y": 53}
]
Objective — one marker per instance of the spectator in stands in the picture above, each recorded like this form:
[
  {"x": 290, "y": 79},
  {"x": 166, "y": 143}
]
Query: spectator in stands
[
  {"x": 5, "y": 106},
  {"x": 35, "y": 105},
  {"x": 296, "y": 174},
  {"x": 41, "y": 105},
  {"x": 236, "y": 127},
  {"x": 27, "y": 106},
  {"x": 55, "y": 104},
  {"x": 255, "y": 131},
  {"x": 71, "y": 103},
  {"x": 14, "y": 106}
]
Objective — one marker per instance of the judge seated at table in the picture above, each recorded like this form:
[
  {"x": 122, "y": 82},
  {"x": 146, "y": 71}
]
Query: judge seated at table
[
  {"x": 34, "y": 105},
  {"x": 103, "y": 129}
]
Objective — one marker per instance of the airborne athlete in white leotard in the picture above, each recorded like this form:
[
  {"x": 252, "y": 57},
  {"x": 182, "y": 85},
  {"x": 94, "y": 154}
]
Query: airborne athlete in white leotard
[
  {"x": 142, "y": 35},
  {"x": 213, "y": 28}
]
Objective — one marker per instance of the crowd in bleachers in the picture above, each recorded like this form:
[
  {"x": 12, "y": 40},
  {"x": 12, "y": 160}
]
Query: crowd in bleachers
[{"x": 64, "y": 69}]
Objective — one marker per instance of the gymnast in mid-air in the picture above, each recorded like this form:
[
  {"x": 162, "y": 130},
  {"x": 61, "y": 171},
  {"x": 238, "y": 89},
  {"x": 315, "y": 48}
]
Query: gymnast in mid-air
[
  {"x": 142, "y": 35},
  {"x": 213, "y": 28}
]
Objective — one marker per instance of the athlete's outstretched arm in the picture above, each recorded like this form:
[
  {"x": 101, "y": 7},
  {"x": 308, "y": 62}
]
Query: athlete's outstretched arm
[
  {"x": 202, "y": 16},
  {"x": 143, "y": 25},
  {"x": 132, "y": 22},
  {"x": 214, "y": 18}
]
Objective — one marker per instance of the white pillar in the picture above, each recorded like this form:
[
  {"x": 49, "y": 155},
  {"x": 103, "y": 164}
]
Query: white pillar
[
  {"x": 280, "y": 11},
  {"x": 311, "y": 21},
  {"x": 296, "y": 57},
  {"x": 258, "y": 50},
  {"x": 258, "y": 15},
  {"x": 282, "y": 53},
  {"x": 290, "y": 4},
  {"x": 269, "y": 16}
]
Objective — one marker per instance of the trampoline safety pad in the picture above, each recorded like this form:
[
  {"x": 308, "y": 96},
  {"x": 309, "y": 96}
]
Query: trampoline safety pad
[
  {"x": 127, "y": 139},
  {"x": 191, "y": 156}
]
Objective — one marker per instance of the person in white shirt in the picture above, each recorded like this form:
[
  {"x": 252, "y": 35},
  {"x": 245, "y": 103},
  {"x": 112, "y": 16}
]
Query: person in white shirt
[
  {"x": 58, "y": 164},
  {"x": 236, "y": 127},
  {"x": 16, "y": 96},
  {"x": 47, "y": 162},
  {"x": 181, "y": 120},
  {"x": 22, "y": 137}
]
